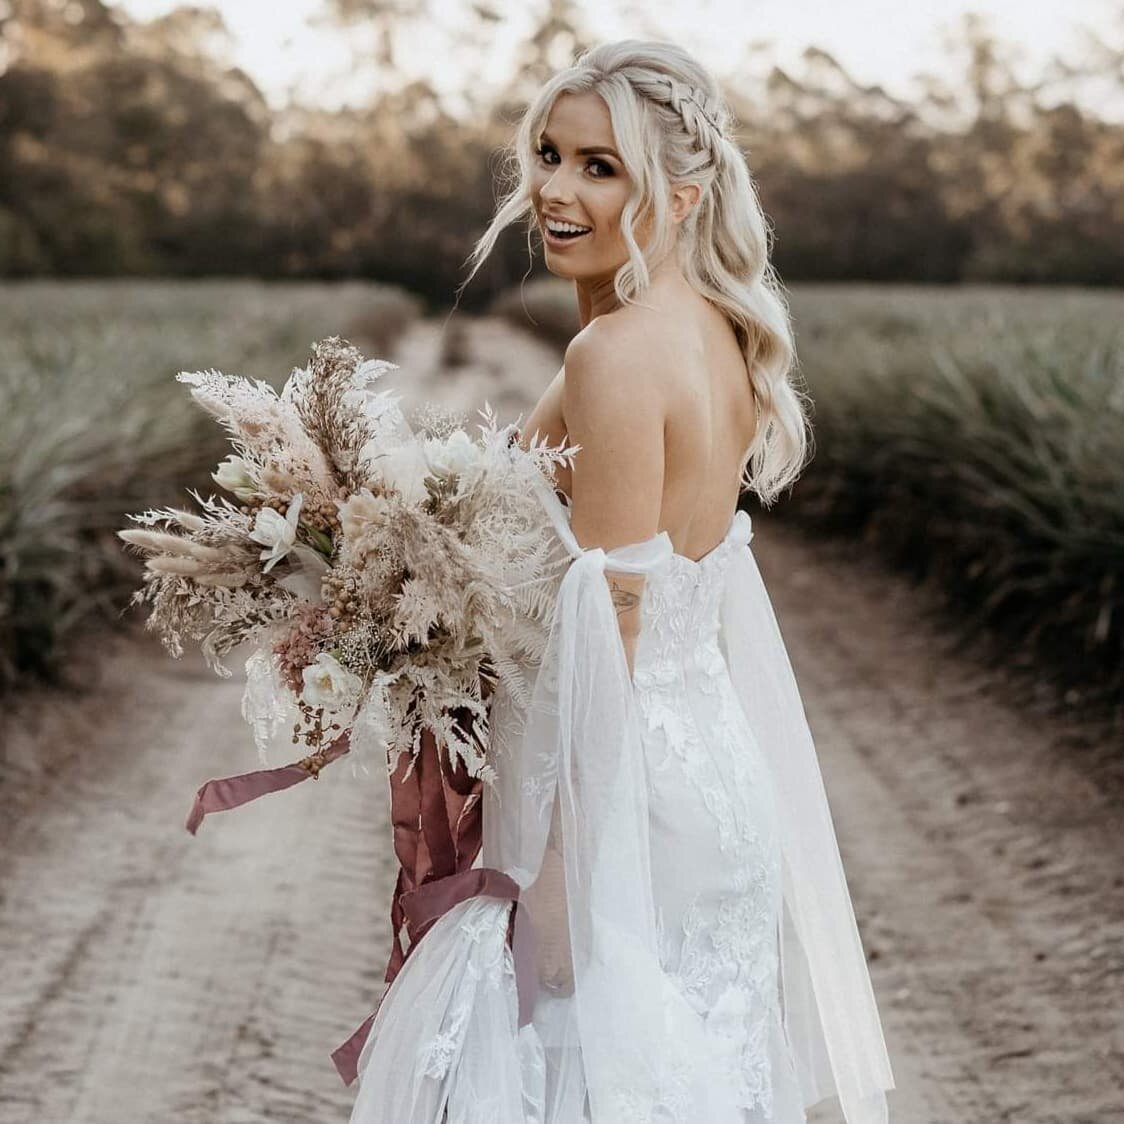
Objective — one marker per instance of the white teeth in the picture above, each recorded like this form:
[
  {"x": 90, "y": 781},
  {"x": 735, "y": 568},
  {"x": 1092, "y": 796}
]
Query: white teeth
[{"x": 565, "y": 227}]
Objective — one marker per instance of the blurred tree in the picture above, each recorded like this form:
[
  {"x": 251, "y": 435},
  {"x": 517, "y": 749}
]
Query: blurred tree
[
  {"x": 133, "y": 146},
  {"x": 128, "y": 148}
]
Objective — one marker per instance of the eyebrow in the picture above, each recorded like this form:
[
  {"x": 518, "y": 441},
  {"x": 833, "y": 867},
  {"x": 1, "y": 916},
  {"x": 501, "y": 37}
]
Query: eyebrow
[{"x": 593, "y": 150}]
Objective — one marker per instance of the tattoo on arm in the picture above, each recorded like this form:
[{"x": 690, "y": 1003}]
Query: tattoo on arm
[{"x": 623, "y": 599}]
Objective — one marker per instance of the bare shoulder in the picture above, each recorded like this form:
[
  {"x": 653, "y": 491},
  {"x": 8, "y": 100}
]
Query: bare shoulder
[
  {"x": 616, "y": 414},
  {"x": 620, "y": 363}
]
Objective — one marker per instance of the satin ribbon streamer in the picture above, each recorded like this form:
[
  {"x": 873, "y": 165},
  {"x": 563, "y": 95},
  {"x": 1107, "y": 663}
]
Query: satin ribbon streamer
[{"x": 436, "y": 818}]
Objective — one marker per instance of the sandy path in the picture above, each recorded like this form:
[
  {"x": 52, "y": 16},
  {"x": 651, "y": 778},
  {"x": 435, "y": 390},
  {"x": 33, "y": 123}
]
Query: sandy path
[{"x": 150, "y": 976}]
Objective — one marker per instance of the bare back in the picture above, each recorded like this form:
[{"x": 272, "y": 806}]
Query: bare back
[{"x": 711, "y": 418}]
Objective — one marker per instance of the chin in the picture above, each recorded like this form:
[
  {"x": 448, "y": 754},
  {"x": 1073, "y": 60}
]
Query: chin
[{"x": 559, "y": 270}]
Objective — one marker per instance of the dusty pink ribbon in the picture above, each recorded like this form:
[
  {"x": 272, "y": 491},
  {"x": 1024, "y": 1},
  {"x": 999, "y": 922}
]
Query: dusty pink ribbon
[
  {"x": 438, "y": 833},
  {"x": 423, "y": 907},
  {"x": 223, "y": 793}
]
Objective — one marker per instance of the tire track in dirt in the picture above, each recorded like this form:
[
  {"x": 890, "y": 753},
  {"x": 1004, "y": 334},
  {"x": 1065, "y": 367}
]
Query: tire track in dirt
[
  {"x": 152, "y": 976},
  {"x": 983, "y": 857}
]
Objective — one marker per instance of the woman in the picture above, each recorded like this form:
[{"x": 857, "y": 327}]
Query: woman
[{"x": 683, "y": 946}]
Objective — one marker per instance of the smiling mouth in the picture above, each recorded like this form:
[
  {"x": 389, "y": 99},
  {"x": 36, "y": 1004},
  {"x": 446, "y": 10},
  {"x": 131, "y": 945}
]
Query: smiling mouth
[{"x": 561, "y": 239}]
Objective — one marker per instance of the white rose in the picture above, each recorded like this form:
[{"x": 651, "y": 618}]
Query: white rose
[
  {"x": 328, "y": 684},
  {"x": 233, "y": 475},
  {"x": 455, "y": 456},
  {"x": 277, "y": 532}
]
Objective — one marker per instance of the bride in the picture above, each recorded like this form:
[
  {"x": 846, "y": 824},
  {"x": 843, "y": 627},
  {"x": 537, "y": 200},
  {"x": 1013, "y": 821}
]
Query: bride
[{"x": 661, "y": 929}]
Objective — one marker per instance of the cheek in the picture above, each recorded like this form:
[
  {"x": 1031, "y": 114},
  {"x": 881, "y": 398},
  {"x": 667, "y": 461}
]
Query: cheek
[{"x": 610, "y": 211}]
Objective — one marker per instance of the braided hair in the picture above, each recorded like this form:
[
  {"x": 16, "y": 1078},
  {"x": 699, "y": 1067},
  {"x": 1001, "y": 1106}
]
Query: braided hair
[
  {"x": 690, "y": 103},
  {"x": 673, "y": 127}
]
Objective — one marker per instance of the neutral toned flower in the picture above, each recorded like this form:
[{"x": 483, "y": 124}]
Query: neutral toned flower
[
  {"x": 233, "y": 476},
  {"x": 403, "y": 468},
  {"x": 328, "y": 684},
  {"x": 276, "y": 532},
  {"x": 362, "y": 511},
  {"x": 305, "y": 580},
  {"x": 456, "y": 456},
  {"x": 278, "y": 480}
]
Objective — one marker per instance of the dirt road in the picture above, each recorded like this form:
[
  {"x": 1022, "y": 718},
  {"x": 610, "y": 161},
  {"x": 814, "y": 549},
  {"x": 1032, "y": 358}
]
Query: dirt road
[{"x": 149, "y": 976}]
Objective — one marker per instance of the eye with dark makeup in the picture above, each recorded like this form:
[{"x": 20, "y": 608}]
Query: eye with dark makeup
[{"x": 544, "y": 148}]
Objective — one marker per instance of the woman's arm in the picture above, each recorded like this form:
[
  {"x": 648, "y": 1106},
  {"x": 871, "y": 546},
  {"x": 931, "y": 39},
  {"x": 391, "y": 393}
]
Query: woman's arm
[{"x": 615, "y": 411}]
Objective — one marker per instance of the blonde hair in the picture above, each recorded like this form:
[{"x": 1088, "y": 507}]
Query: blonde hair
[{"x": 671, "y": 128}]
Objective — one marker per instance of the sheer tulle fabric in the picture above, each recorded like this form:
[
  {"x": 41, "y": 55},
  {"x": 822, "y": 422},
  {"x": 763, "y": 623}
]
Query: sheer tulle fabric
[
  {"x": 610, "y": 1038},
  {"x": 830, "y": 1012}
]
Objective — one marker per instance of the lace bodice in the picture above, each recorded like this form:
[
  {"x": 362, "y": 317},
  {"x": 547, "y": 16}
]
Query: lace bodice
[{"x": 680, "y": 617}]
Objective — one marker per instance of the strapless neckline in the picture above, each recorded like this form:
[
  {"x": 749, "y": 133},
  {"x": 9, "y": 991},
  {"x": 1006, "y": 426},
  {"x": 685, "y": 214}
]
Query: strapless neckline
[{"x": 697, "y": 562}]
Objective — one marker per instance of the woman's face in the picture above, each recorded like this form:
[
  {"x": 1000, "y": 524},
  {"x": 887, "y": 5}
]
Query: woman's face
[{"x": 579, "y": 178}]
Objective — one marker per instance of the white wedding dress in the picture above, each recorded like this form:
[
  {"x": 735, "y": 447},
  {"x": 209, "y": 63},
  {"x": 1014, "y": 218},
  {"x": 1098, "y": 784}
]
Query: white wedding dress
[{"x": 684, "y": 949}]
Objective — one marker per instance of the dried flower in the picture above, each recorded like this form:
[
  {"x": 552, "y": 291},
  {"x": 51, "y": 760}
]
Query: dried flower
[
  {"x": 455, "y": 456},
  {"x": 403, "y": 469},
  {"x": 232, "y": 476},
  {"x": 328, "y": 684},
  {"x": 276, "y": 532},
  {"x": 361, "y": 512}
]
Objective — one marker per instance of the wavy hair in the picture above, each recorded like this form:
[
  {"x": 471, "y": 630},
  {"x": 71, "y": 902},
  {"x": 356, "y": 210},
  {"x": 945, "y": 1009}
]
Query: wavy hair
[{"x": 672, "y": 127}]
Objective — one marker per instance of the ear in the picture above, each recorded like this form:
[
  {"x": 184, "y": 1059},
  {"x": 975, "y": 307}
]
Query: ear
[{"x": 683, "y": 199}]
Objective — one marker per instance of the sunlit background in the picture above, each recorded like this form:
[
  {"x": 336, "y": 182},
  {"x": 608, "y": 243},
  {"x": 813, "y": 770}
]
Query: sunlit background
[
  {"x": 299, "y": 51},
  {"x": 196, "y": 187}
]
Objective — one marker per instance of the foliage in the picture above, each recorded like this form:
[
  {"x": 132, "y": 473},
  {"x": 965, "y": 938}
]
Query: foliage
[
  {"x": 973, "y": 438},
  {"x": 93, "y": 425},
  {"x": 130, "y": 148}
]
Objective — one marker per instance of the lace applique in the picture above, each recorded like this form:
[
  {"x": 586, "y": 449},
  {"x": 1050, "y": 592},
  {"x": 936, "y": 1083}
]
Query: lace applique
[
  {"x": 669, "y": 1103},
  {"x": 728, "y": 973},
  {"x": 726, "y": 961},
  {"x": 438, "y": 1055},
  {"x": 488, "y": 964},
  {"x": 678, "y": 657}
]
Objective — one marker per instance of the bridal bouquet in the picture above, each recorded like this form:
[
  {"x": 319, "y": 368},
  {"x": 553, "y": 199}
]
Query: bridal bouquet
[{"x": 384, "y": 578}]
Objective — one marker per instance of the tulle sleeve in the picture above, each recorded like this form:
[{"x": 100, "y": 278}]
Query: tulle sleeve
[
  {"x": 610, "y": 1023},
  {"x": 828, "y": 1003}
]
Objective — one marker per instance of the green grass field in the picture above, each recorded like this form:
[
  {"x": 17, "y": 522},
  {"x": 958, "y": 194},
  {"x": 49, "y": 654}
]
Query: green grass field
[
  {"x": 975, "y": 438},
  {"x": 93, "y": 425}
]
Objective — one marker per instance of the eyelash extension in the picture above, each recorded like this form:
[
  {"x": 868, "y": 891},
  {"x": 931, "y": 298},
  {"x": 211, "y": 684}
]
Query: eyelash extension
[{"x": 542, "y": 149}]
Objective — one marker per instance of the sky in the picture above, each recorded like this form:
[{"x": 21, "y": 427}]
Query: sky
[{"x": 289, "y": 52}]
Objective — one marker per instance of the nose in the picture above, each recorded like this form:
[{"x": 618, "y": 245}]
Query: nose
[{"x": 557, "y": 189}]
